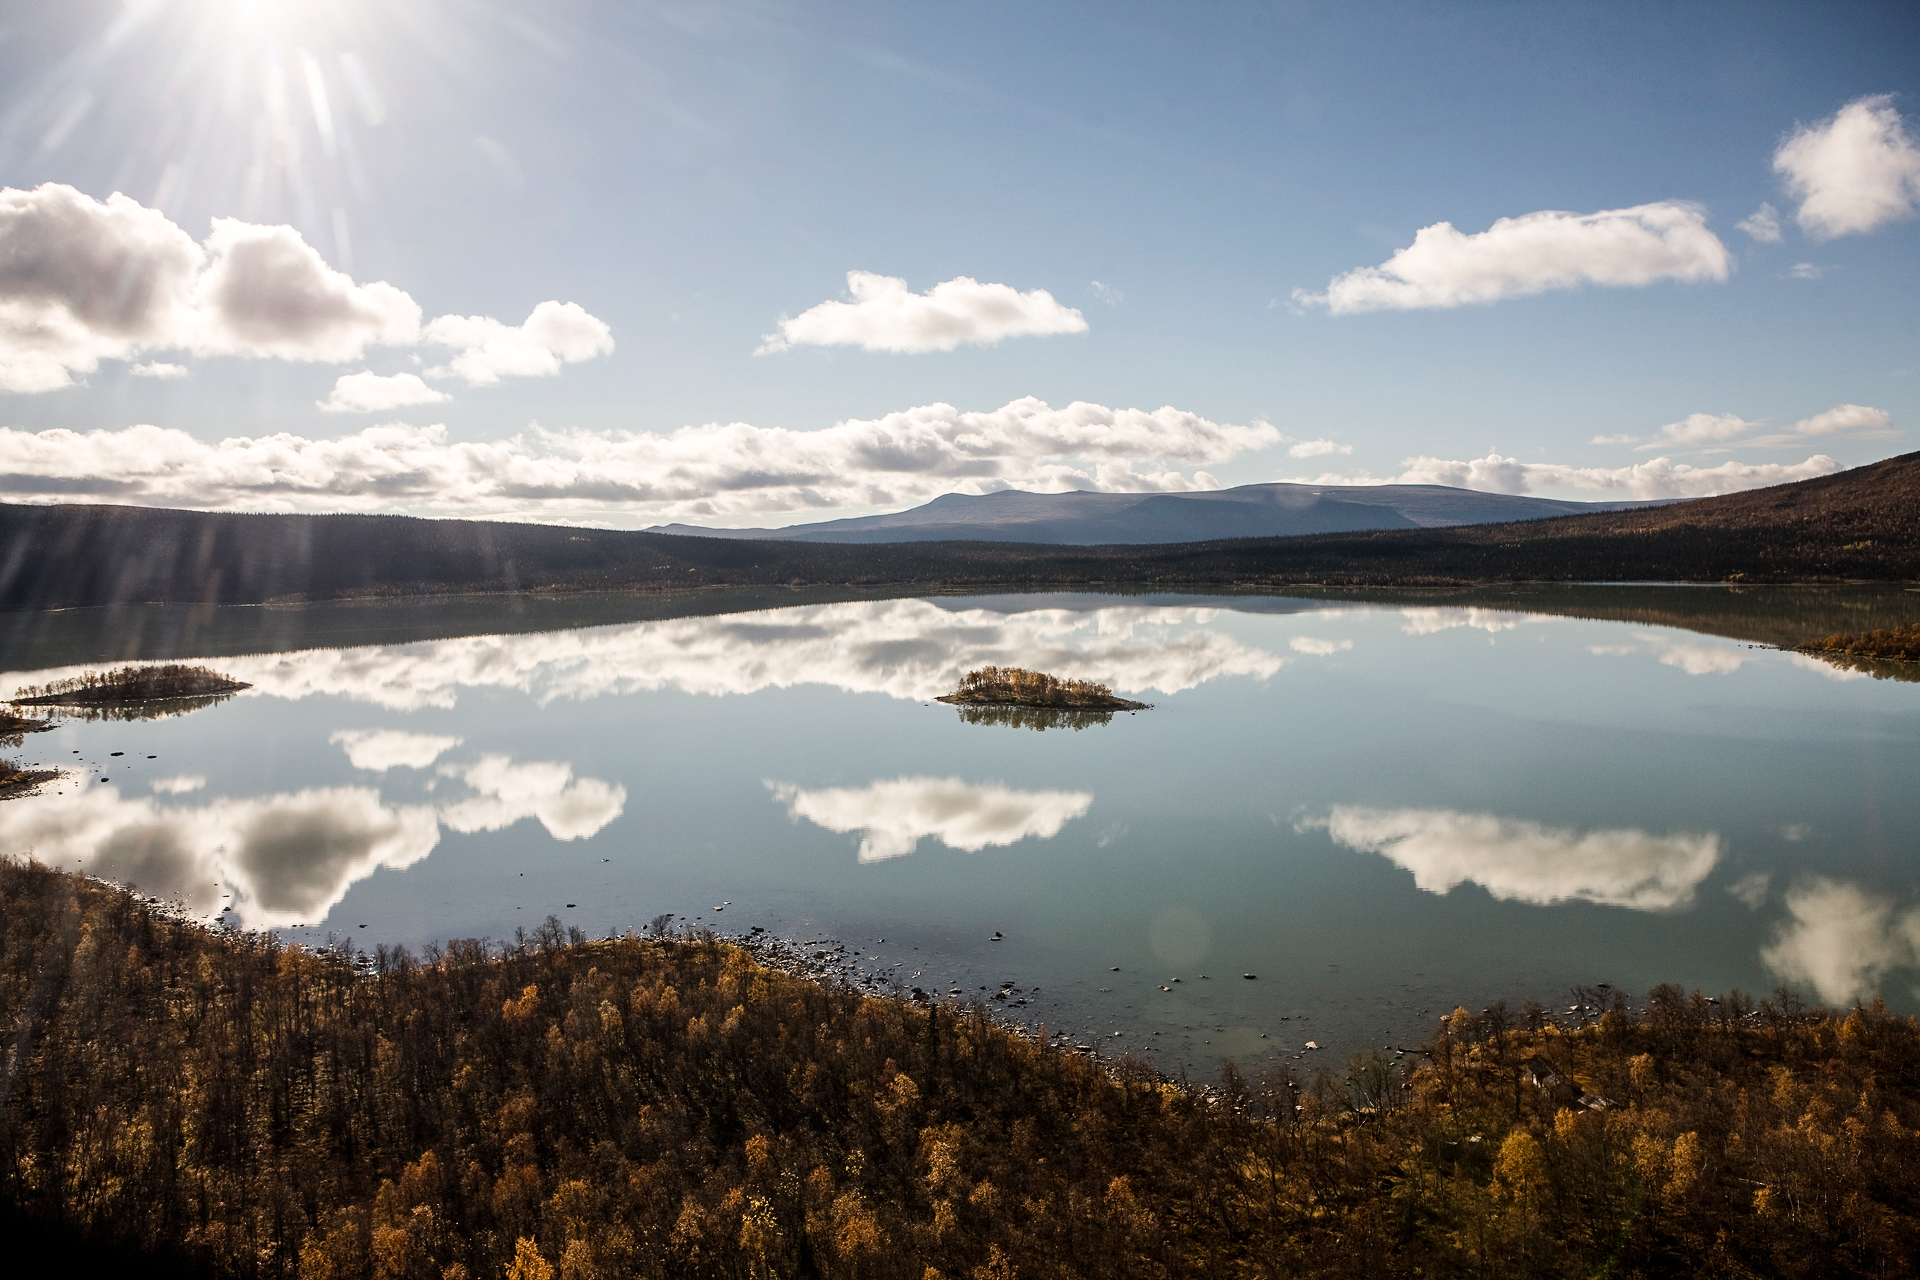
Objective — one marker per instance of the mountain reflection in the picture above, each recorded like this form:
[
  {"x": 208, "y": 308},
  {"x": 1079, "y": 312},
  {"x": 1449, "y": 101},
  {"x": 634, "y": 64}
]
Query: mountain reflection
[
  {"x": 908, "y": 649},
  {"x": 894, "y": 816},
  {"x": 1521, "y": 861},
  {"x": 290, "y": 858}
]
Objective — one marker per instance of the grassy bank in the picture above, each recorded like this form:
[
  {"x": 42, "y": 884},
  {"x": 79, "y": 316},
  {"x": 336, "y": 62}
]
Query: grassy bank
[{"x": 668, "y": 1107}]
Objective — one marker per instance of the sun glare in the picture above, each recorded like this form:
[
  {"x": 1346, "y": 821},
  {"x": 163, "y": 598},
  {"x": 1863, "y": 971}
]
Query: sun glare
[{"x": 256, "y": 109}]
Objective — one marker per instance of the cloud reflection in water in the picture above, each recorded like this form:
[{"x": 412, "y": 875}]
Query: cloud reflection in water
[
  {"x": 1520, "y": 861},
  {"x": 505, "y": 792},
  {"x": 378, "y": 750},
  {"x": 1842, "y": 940},
  {"x": 290, "y": 857},
  {"x": 907, "y": 649},
  {"x": 894, "y": 816}
]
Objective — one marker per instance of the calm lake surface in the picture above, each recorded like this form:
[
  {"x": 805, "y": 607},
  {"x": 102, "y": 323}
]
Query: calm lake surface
[{"x": 1380, "y": 807}]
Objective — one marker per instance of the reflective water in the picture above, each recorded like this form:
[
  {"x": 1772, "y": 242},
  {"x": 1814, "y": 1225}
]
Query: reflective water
[{"x": 1379, "y": 808}]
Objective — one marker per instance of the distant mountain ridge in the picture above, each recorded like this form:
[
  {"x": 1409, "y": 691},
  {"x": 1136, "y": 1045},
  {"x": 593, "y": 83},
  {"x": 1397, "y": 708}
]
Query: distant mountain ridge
[
  {"x": 1861, "y": 525},
  {"x": 1083, "y": 518}
]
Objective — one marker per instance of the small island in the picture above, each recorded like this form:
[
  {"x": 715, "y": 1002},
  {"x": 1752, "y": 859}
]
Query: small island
[
  {"x": 1018, "y": 687},
  {"x": 129, "y": 685}
]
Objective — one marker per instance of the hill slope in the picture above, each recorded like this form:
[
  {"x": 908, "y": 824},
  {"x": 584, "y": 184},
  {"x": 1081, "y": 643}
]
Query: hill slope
[
  {"x": 1862, "y": 524},
  {"x": 1096, "y": 519}
]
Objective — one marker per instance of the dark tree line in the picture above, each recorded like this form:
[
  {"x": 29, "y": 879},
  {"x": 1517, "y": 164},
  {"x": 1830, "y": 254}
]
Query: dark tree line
[{"x": 667, "y": 1106}]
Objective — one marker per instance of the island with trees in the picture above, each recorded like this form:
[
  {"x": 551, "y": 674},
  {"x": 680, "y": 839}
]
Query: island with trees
[
  {"x": 158, "y": 683},
  {"x": 1018, "y": 687}
]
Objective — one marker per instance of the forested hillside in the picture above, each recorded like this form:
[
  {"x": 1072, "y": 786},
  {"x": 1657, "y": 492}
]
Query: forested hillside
[{"x": 223, "y": 1105}]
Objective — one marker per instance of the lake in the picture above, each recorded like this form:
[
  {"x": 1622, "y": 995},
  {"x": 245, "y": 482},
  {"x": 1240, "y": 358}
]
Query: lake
[{"x": 1379, "y": 806}]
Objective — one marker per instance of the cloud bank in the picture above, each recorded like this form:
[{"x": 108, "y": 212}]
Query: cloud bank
[
  {"x": 1655, "y": 478},
  {"x": 85, "y": 280},
  {"x": 894, "y": 816},
  {"x": 1530, "y": 254},
  {"x": 1720, "y": 430},
  {"x": 1853, "y": 172},
  {"x": 887, "y": 316},
  {"x": 1519, "y": 861},
  {"x": 697, "y": 472}
]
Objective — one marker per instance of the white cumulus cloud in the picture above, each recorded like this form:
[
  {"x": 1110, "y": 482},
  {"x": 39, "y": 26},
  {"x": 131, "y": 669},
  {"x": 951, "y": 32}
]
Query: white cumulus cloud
[
  {"x": 885, "y": 315},
  {"x": 555, "y": 333},
  {"x": 266, "y": 292},
  {"x": 1520, "y": 861},
  {"x": 1533, "y": 253},
  {"x": 82, "y": 280},
  {"x": 1317, "y": 449},
  {"x": 158, "y": 369},
  {"x": 369, "y": 392},
  {"x": 894, "y": 816},
  {"x": 1853, "y": 172},
  {"x": 1763, "y": 224},
  {"x": 904, "y": 457},
  {"x": 1700, "y": 428},
  {"x": 85, "y": 280},
  {"x": 1843, "y": 417}
]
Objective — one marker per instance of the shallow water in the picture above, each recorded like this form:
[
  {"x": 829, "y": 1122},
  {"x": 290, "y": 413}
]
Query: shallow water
[{"x": 1380, "y": 808}]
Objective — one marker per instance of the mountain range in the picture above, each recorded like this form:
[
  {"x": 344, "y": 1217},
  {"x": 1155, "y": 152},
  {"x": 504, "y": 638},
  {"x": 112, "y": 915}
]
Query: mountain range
[
  {"x": 1856, "y": 525},
  {"x": 1107, "y": 519}
]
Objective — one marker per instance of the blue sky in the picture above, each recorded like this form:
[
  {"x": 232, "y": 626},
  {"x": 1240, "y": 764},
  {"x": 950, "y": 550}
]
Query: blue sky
[{"x": 686, "y": 176}]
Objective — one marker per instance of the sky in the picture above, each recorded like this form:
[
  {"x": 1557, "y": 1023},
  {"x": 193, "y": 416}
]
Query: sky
[{"x": 757, "y": 264}]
